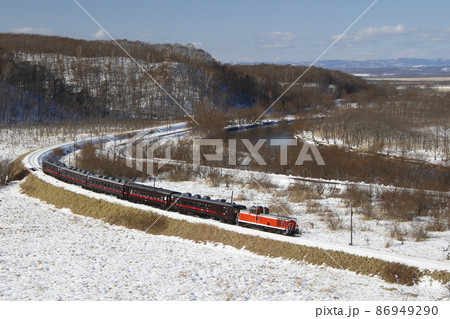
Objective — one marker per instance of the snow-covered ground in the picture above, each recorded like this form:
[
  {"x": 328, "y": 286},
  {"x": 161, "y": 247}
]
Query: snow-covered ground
[
  {"x": 367, "y": 233},
  {"x": 426, "y": 155},
  {"x": 52, "y": 254},
  {"x": 47, "y": 253},
  {"x": 373, "y": 234},
  {"x": 16, "y": 141}
]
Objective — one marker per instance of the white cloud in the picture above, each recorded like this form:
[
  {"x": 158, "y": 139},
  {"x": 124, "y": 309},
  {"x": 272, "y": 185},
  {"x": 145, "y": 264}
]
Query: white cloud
[
  {"x": 282, "y": 36},
  {"x": 439, "y": 35},
  {"x": 277, "y": 39},
  {"x": 99, "y": 35},
  {"x": 374, "y": 32},
  {"x": 30, "y": 30}
]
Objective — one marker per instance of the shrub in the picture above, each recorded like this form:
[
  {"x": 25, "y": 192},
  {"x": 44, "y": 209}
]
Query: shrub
[
  {"x": 261, "y": 184},
  {"x": 312, "y": 207},
  {"x": 398, "y": 232},
  {"x": 179, "y": 174},
  {"x": 333, "y": 191},
  {"x": 419, "y": 232},
  {"x": 240, "y": 196},
  {"x": 334, "y": 221},
  {"x": 437, "y": 226},
  {"x": 355, "y": 196},
  {"x": 13, "y": 171},
  {"x": 4, "y": 172},
  {"x": 282, "y": 209},
  {"x": 214, "y": 176},
  {"x": 397, "y": 205},
  {"x": 320, "y": 188},
  {"x": 366, "y": 210},
  {"x": 404, "y": 205},
  {"x": 58, "y": 153},
  {"x": 299, "y": 192}
]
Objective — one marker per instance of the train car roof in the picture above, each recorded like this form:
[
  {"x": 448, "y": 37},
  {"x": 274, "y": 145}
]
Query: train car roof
[
  {"x": 208, "y": 200},
  {"x": 205, "y": 199},
  {"x": 106, "y": 178},
  {"x": 151, "y": 188}
]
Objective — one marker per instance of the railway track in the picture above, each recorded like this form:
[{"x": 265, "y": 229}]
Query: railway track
[{"x": 33, "y": 162}]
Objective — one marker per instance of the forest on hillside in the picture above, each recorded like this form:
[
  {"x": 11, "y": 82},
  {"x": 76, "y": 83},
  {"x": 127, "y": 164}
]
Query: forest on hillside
[{"x": 55, "y": 79}]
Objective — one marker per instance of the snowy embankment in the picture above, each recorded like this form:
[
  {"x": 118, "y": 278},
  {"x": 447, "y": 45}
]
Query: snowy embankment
[
  {"x": 319, "y": 242},
  {"x": 52, "y": 254}
]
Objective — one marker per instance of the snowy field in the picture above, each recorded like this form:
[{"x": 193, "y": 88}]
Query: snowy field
[
  {"x": 371, "y": 234},
  {"x": 437, "y": 157},
  {"x": 368, "y": 233},
  {"x": 17, "y": 141},
  {"x": 52, "y": 254}
]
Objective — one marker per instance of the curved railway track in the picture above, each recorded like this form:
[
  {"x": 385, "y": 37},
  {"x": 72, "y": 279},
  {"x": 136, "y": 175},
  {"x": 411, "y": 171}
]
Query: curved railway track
[{"x": 33, "y": 163}]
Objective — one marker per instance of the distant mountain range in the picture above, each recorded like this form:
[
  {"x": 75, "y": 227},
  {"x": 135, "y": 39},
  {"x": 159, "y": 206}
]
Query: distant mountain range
[
  {"x": 392, "y": 63},
  {"x": 402, "y": 67}
]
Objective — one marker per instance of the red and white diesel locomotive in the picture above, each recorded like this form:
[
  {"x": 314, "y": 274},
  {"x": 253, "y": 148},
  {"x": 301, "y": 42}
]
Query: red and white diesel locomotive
[
  {"x": 259, "y": 217},
  {"x": 255, "y": 217}
]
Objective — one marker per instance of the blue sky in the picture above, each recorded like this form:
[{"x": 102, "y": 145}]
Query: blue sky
[{"x": 250, "y": 30}]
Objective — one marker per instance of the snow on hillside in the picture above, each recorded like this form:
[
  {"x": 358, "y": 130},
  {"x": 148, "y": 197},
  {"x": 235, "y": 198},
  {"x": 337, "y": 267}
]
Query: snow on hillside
[
  {"x": 111, "y": 73},
  {"x": 52, "y": 254}
]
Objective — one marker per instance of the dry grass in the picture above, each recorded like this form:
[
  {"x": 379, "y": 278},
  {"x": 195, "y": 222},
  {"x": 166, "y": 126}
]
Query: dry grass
[
  {"x": 111, "y": 213},
  {"x": 135, "y": 218},
  {"x": 300, "y": 192},
  {"x": 400, "y": 274},
  {"x": 312, "y": 207},
  {"x": 13, "y": 171},
  {"x": 214, "y": 177},
  {"x": 356, "y": 196},
  {"x": 367, "y": 210},
  {"x": 419, "y": 232},
  {"x": 4, "y": 172},
  {"x": 398, "y": 232},
  {"x": 281, "y": 208},
  {"x": 179, "y": 174},
  {"x": 437, "y": 226},
  {"x": 261, "y": 184},
  {"x": 240, "y": 197},
  {"x": 334, "y": 221}
]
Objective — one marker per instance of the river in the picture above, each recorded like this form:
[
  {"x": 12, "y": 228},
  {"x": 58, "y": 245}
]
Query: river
[{"x": 268, "y": 132}]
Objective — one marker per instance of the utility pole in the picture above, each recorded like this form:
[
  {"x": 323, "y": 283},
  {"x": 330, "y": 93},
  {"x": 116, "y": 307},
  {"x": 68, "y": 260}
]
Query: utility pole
[{"x": 351, "y": 226}]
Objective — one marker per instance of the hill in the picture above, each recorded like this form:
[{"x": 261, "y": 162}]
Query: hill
[{"x": 48, "y": 78}]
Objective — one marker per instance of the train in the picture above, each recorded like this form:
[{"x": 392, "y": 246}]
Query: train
[{"x": 257, "y": 217}]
